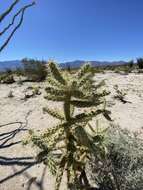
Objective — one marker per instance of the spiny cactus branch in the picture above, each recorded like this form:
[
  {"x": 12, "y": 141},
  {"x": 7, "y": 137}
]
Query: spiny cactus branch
[{"x": 70, "y": 139}]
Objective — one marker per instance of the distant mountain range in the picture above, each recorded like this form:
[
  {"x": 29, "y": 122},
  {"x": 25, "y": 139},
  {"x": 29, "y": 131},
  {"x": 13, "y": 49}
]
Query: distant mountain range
[
  {"x": 73, "y": 64},
  {"x": 78, "y": 63},
  {"x": 10, "y": 65}
]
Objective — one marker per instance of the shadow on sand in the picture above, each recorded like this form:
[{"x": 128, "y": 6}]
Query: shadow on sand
[{"x": 25, "y": 163}]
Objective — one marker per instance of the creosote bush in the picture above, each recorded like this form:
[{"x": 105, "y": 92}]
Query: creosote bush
[
  {"x": 67, "y": 147},
  {"x": 34, "y": 70},
  {"x": 6, "y": 78}
]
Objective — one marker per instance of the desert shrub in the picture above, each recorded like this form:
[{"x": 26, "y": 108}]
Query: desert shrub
[
  {"x": 34, "y": 89},
  {"x": 140, "y": 63},
  {"x": 120, "y": 94},
  {"x": 140, "y": 70},
  {"x": 34, "y": 70},
  {"x": 98, "y": 70},
  {"x": 131, "y": 63},
  {"x": 123, "y": 167},
  {"x": 117, "y": 71},
  {"x": 68, "y": 146},
  {"x": 125, "y": 69},
  {"x": 8, "y": 71},
  {"x": 7, "y": 78},
  {"x": 19, "y": 71}
]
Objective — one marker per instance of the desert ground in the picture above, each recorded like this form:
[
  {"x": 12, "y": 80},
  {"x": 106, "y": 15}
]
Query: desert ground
[{"x": 18, "y": 169}]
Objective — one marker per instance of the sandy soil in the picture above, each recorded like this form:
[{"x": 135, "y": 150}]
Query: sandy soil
[{"x": 18, "y": 170}]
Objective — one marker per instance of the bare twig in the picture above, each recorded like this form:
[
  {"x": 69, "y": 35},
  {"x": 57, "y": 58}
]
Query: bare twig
[
  {"x": 21, "y": 11},
  {"x": 3, "y": 15}
]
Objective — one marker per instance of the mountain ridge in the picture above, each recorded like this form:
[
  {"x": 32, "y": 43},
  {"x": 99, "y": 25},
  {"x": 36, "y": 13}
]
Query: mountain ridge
[
  {"x": 13, "y": 64},
  {"x": 78, "y": 63}
]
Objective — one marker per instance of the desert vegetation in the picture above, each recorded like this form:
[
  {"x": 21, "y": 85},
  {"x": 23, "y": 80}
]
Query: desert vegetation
[
  {"x": 123, "y": 161},
  {"x": 31, "y": 70},
  {"x": 83, "y": 148},
  {"x": 6, "y": 78},
  {"x": 68, "y": 146},
  {"x": 140, "y": 63},
  {"x": 91, "y": 157},
  {"x": 67, "y": 118},
  {"x": 34, "y": 70}
]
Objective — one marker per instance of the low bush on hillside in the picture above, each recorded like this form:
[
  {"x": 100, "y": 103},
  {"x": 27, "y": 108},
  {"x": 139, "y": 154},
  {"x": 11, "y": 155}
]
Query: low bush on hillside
[{"x": 34, "y": 70}]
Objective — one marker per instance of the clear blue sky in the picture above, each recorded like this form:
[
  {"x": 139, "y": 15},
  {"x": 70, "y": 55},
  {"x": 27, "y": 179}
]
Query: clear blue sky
[{"x": 79, "y": 29}]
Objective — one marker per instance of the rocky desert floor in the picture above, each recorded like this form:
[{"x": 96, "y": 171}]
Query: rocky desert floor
[{"x": 18, "y": 169}]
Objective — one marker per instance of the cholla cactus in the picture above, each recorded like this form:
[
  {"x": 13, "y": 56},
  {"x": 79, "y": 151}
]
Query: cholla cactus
[{"x": 67, "y": 146}]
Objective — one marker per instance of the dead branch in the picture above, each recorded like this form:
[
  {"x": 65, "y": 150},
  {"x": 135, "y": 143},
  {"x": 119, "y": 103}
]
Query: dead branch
[
  {"x": 3, "y": 15},
  {"x": 20, "y": 12}
]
